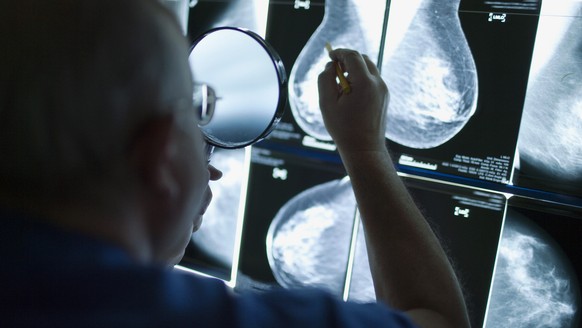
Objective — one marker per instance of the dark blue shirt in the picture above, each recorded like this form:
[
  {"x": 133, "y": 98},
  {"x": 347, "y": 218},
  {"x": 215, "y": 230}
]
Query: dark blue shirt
[{"x": 54, "y": 278}]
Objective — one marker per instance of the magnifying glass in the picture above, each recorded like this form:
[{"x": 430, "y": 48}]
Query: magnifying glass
[{"x": 240, "y": 92}]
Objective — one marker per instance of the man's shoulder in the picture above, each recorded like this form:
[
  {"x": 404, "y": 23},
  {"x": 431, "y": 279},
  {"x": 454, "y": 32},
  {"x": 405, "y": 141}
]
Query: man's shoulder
[
  {"x": 152, "y": 297},
  {"x": 317, "y": 308},
  {"x": 76, "y": 282}
]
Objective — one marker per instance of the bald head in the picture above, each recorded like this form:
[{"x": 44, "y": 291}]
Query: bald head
[{"x": 77, "y": 79}]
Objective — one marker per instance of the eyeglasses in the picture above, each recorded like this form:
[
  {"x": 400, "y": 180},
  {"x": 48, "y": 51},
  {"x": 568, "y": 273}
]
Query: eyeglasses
[{"x": 204, "y": 100}]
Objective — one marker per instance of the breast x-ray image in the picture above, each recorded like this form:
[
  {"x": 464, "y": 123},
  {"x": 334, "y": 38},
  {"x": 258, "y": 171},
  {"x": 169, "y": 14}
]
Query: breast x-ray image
[
  {"x": 537, "y": 277},
  {"x": 355, "y": 24},
  {"x": 427, "y": 63},
  {"x": 430, "y": 71},
  {"x": 308, "y": 242},
  {"x": 537, "y": 268},
  {"x": 549, "y": 139},
  {"x": 438, "y": 61},
  {"x": 288, "y": 214},
  {"x": 468, "y": 224},
  {"x": 457, "y": 72},
  {"x": 496, "y": 38}
]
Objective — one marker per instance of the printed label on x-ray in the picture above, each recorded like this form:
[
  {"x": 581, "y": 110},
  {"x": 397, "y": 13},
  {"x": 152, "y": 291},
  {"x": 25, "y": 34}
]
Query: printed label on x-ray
[{"x": 495, "y": 169}]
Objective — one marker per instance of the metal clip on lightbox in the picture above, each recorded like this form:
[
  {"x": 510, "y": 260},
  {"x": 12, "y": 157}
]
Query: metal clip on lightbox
[{"x": 241, "y": 89}]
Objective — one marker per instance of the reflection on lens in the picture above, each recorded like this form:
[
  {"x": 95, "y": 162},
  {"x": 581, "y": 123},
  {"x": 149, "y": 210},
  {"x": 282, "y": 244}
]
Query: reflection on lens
[{"x": 204, "y": 99}]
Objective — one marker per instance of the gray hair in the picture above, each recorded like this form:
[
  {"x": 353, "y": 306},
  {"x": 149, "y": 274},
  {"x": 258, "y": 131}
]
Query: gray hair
[{"x": 77, "y": 78}]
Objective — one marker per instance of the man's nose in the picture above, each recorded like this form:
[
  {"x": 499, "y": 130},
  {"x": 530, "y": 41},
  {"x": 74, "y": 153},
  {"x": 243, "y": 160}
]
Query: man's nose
[{"x": 215, "y": 174}]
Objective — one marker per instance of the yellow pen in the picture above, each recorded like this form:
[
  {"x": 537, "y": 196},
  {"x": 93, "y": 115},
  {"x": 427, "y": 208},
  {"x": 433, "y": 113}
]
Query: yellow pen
[{"x": 339, "y": 72}]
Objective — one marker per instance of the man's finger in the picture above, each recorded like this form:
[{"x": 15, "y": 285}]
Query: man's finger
[
  {"x": 372, "y": 68},
  {"x": 351, "y": 60},
  {"x": 327, "y": 83}
]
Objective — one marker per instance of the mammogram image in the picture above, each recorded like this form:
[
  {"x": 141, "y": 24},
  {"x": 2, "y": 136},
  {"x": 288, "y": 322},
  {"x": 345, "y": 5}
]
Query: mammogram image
[
  {"x": 534, "y": 284},
  {"x": 430, "y": 71},
  {"x": 309, "y": 239},
  {"x": 354, "y": 24},
  {"x": 550, "y": 132},
  {"x": 427, "y": 64}
]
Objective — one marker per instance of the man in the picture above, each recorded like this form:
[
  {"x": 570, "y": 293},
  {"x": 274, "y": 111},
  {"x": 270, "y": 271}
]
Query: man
[{"x": 103, "y": 178}]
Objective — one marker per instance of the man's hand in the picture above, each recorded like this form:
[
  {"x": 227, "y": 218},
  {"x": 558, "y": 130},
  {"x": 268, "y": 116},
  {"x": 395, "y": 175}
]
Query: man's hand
[{"x": 356, "y": 121}]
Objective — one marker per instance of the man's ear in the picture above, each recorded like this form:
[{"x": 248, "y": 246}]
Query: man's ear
[{"x": 151, "y": 155}]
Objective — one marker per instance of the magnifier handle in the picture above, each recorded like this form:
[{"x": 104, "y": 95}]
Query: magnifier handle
[{"x": 209, "y": 149}]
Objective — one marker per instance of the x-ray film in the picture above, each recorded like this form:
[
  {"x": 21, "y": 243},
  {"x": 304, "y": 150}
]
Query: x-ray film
[
  {"x": 537, "y": 264},
  {"x": 355, "y": 24},
  {"x": 292, "y": 204},
  {"x": 299, "y": 31},
  {"x": 539, "y": 268},
  {"x": 468, "y": 223},
  {"x": 430, "y": 71},
  {"x": 458, "y": 73},
  {"x": 550, "y": 151},
  {"x": 311, "y": 241}
]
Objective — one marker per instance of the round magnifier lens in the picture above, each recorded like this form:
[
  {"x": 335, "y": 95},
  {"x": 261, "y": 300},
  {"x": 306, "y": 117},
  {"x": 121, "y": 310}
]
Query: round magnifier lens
[{"x": 250, "y": 83}]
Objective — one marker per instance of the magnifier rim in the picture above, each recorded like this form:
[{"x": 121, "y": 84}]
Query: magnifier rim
[{"x": 281, "y": 76}]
